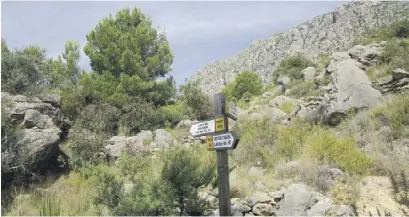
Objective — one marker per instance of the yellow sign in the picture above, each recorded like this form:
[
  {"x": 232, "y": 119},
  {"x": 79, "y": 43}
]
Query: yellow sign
[
  {"x": 220, "y": 125},
  {"x": 209, "y": 142}
]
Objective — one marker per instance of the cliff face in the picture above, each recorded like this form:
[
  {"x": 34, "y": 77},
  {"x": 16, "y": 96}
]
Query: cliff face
[{"x": 327, "y": 33}]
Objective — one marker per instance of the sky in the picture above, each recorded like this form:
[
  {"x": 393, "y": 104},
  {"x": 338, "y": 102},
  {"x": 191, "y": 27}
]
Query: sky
[{"x": 199, "y": 33}]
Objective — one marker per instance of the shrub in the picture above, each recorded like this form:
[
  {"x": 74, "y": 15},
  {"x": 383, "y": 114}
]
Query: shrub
[
  {"x": 292, "y": 67},
  {"x": 109, "y": 189},
  {"x": 302, "y": 89},
  {"x": 396, "y": 54},
  {"x": 341, "y": 151},
  {"x": 99, "y": 118},
  {"x": 246, "y": 83},
  {"x": 19, "y": 73},
  {"x": 395, "y": 114},
  {"x": 397, "y": 29},
  {"x": 84, "y": 146}
]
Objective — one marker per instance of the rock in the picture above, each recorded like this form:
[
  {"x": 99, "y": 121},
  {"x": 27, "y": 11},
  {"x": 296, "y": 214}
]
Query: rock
[
  {"x": 33, "y": 118},
  {"x": 116, "y": 145},
  {"x": 143, "y": 138},
  {"x": 39, "y": 144},
  {"x": 365, "y": 54},
  {"x": 264, "y": 209},
  {"x": 54, "y": 100},
  {"x": 309, "y": 73},
  {"x": 235, "y": 210},
  {"x": 283, "y": 80},
  {"x": 351, "y": 90},
  {"x": 327, "y": 33},
  {"x": 321, "y": 208},
  {"x": 326, "y": 176},
  {"x": 244, "y": 208},
  {"x": 249, "y": 214},
  {"x": 163, "y": 139},
  {"x": 376, "y": 194},
  {"x": 277, "y": 196},
  {"x": 205, "y": 196},
  {"x": 341, "y": 210},
  {"x": 297, "y": 198},
  {"x": 267, "y": 95},
  {"x": 234, "y": 201},
  {"x": 277, "y": 115},
  {"x": 399, "y": 73},
  {"x": 258, "y": 197}
]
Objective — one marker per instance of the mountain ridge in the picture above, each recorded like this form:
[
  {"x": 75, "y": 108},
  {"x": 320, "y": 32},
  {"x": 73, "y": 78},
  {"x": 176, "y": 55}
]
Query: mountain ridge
[{"x": 326, "y": 33}]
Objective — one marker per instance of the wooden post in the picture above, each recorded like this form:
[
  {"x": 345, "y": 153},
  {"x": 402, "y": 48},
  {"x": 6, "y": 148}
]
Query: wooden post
[{"x": 222, "y": 161}]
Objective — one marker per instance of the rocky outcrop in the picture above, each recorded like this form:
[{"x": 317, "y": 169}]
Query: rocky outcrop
[
  {"x": 145, "y": 140},
  {"x": 297, "y": 199},
  {"x": 397, "y": 81},
  {"x": 44, "y": 125},
  {"x": 327, "y": 33},
  {"x": 376, "y": 195}
]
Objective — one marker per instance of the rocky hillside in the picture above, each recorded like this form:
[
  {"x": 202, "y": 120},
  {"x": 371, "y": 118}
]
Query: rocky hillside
[{"x": 323, "y": 34}]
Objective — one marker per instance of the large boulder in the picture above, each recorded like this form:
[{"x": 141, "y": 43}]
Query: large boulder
[
  {"x": 351, "y": 89},
  {"x": 297, "y": 199},
  {"x": 39, "y": 145},
  {"x": 163, "y": 139},
  {"x": 43, "y": 123},
  {"x": 309, "y": 73}
]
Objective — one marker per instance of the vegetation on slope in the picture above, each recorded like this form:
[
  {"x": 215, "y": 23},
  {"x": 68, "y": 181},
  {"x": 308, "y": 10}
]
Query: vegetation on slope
[{"x": 122, "y": 96}]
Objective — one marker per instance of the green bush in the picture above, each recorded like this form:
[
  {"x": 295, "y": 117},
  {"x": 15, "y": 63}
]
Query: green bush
[
  {"x": 99, "y": 118},
  {"x": 19, "y": 73},
  {"x": 292, "y": 67},
  {"x": 341, "y": 151},
  {"x": 396, "y": 54},
  {"x": 395, "y": 114},
  {"x": 246, "y": 83},
  {"x": 302, "y": 89},
  {"x": 83, "y": 147},
  {"x": 398, "y": 29},
  {"x": 195, "y": 102}
]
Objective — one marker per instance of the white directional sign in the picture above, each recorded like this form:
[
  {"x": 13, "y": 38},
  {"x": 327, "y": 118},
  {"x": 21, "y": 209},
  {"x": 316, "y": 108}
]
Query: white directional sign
[
  {"x": 222, "y": 141},
  {"x": 231, "y": 110},
  {"x": 208, "y": 127}
]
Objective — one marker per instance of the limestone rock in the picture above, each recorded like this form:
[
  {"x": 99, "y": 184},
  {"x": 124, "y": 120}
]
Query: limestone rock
[
  {"x": 258, "y": 197},
  {"x": 163, "y": 139},
  {"x": 351, "y": 89},
  {"x": 309, "y": 73},
  {"x": 277, "y": 115},
  {"x": 296, "y": 200},
  {"x": 40, "y": 144},
  {"x": 375, "y": 193},
  {"x": 327, "y": 33},
  {"x": 263, "y": 209}
]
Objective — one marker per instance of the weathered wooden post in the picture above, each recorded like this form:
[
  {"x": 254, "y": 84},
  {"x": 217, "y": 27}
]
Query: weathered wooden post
[
  {"x": 222, "y": 160},
  {"x": 221, "y": 140}
]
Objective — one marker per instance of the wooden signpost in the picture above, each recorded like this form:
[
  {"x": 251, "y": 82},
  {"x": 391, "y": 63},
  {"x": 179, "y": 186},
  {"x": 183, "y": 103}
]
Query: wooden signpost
[{"x": 219, "y": 139}]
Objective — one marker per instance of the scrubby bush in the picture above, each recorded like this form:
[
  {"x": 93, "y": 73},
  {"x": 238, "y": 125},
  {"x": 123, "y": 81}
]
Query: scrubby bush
[
  {"x": 395, "y": 114},
  {"x": 83, "y": 148},
  {"x": 302, "y": 89},
  {"x": 292, "y": 67},
  {"x": 195, "y": 103},
  {"x": 397, "y": 29},
  {"x": 246, "y": 83},
  {"x": 341, "y": 151},
  {"x": 99, "y": 118}
]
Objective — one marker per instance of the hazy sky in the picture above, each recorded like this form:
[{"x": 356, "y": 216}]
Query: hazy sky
[{"x": 199, "y": 32}]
